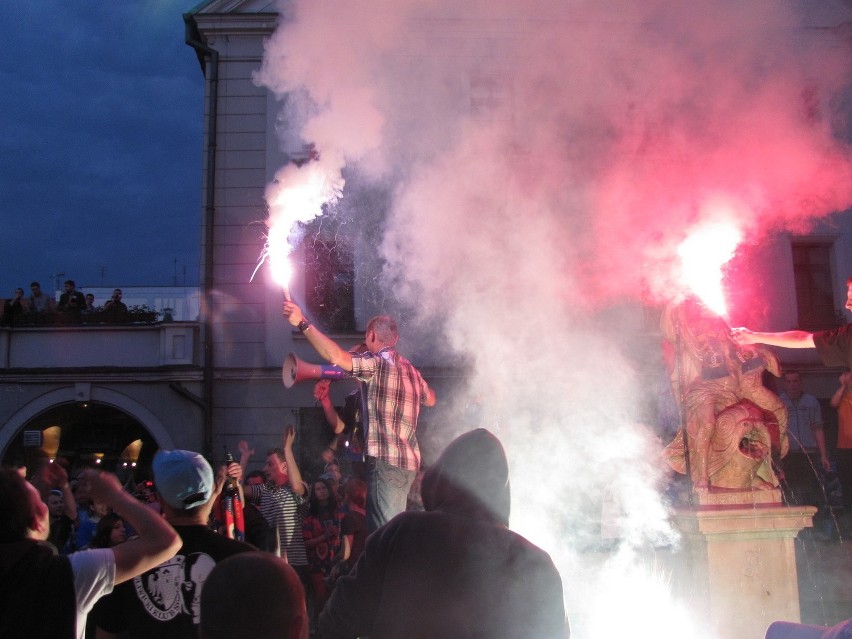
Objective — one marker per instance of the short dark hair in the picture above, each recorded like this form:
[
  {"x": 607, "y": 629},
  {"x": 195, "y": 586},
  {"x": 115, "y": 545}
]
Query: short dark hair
[
  {"x": 253, "y": 594},
  {"x": 277, "y": 452},
  {"x": 16, "y": 510},
  {"x": 356, "y": 490},
  {"x": 104, "y": 531},
  {"x": 314, "y": 507},
  {"x": 35, "y": 284},
  {"x": 71, "y": 282}
]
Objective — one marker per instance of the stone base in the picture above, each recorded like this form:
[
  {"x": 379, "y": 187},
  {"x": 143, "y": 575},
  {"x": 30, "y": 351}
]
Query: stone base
[
  {"x": 737, "y": 498},
  {"x": 738, "y": 565}
]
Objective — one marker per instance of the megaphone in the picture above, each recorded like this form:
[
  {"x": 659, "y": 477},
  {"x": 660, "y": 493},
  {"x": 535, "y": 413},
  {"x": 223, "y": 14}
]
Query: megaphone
[{"x": 297, "y": 370}]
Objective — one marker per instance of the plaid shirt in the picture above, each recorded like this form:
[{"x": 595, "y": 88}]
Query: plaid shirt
[{"x": 395, "y": 391}]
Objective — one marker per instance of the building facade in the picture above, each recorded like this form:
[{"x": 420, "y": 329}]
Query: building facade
[{"x": 207, "y": 384}]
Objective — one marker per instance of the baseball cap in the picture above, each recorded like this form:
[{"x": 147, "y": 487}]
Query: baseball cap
[
  {"x": 184, "y": 479},
  {"x": 788, "y": 630}
]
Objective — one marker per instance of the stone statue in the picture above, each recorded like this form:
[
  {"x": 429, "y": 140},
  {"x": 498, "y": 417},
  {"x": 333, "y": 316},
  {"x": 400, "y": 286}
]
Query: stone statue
[{"x": 734, "y": 424}]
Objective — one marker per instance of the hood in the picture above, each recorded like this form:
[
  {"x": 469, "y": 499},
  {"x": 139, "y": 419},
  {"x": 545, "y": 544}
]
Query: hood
[
  {"x": 471, "y": 477},
  {"x": 13, "y": 552}
]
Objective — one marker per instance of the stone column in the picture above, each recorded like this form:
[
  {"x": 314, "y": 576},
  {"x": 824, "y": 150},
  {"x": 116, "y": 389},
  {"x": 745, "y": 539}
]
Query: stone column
[{"x": 737, "y": 567}]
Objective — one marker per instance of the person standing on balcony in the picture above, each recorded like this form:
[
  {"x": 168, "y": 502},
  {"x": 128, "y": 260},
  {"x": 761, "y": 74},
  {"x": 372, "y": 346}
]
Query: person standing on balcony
[
  {"x": 39, "y": 302},
  {"x": 72, "y": 300},
  {"x": 14, "y": 309},
  {"x": 395, "y": 392},
  {"x": 114, "y": 304}
]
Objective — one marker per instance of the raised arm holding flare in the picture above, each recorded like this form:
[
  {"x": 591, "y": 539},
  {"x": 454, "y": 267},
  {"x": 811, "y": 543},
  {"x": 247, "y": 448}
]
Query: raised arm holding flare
[
  {"x": 787, "y": 339},
  {"x": 395, "y": 392},
  {"x": 834, "y": 346}
]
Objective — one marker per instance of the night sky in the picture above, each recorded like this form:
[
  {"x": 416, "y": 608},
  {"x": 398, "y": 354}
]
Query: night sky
[{"x": 101, "y": 134}]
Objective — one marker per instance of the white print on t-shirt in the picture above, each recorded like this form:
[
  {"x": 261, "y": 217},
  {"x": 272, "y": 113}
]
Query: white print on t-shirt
[{"x": 174, "y": 587}]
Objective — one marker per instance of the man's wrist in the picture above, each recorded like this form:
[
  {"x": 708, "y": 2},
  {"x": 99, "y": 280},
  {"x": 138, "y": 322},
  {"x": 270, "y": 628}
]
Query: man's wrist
[{"x": 303, "y": 325}]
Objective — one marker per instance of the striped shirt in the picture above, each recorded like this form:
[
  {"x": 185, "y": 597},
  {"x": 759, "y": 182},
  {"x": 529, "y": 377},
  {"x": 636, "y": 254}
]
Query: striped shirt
[
  {"x": 395, "y": 392},
  {"x": 284, "y": 511}
]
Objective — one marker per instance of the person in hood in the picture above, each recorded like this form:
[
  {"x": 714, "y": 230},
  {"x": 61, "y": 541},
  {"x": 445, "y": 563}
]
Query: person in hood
[
  {"x": 788, "y": 630},
  {"x": 455, "y": 570}
]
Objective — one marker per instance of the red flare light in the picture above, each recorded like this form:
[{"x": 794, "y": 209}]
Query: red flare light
[{"x": 703, "y": 254}]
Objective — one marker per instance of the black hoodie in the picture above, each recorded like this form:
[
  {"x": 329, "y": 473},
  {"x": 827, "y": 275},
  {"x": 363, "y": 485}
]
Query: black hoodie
[
  {"x": 455, "y": 571},
  {"x": 36, "y": 591}
]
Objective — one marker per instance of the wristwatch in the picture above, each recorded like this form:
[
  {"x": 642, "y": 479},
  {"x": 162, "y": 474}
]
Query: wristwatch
[{"x": 303, "y": 325}]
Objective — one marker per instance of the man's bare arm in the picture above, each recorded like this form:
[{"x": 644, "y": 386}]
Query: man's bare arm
[
  {"x": 327, "y": 348},
  {"x": 58, "y": 478},
  {"x": 321, "y": 394},
  {"x": 819, "y": 436},
  {"x": 431, "y": 399},
  {"x": 786, "y": 339},
  {"x": 246, "y": 452},
  {"x": 297, "y": 485},
  {"x": 157, "y": 540}
]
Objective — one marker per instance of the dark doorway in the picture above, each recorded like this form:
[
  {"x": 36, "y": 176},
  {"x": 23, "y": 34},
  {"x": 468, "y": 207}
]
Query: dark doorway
[{"x": 92, "y": 434}]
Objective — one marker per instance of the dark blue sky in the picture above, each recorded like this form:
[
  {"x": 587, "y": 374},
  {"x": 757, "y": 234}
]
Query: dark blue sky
[{"x": 100, "y": 143}]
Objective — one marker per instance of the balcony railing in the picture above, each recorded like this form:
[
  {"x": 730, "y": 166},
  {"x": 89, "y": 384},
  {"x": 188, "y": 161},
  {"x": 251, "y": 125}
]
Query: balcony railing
[
  {"x": 99, "y": 317},
  {"x": 130, "y": 345}
]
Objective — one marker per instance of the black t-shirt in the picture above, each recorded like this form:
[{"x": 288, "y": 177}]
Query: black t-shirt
[
  {"x": 37, "y": 591},
  {"x": 355, "y": 524},
  {"x": 835, "y": 346},
  {"x": 165, "y": 602}
]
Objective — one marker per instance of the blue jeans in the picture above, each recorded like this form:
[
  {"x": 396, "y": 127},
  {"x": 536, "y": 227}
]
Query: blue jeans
[{"x": 387, "y": 491}]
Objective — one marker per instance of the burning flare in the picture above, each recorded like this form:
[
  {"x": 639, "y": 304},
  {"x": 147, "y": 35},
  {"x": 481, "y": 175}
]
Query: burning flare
[
  {"x": 298, "y": 194},
  {"x": 703, "y": 254}
]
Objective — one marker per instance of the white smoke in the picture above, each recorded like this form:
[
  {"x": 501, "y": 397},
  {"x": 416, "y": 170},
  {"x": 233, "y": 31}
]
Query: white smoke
[{"x": 545, "y": 159}]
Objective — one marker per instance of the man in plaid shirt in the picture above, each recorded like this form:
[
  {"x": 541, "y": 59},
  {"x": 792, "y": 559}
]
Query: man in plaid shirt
[{"x": 395, "y": 390}]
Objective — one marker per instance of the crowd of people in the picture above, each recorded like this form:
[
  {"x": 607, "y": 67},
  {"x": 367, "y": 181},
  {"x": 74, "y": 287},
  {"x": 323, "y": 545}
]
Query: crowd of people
[
  {"x": 343, "y": 554},
  {"x": 336, "y": 555},
  {"x": 72, "y": 306},
  {"x": 143, "y": 567}
]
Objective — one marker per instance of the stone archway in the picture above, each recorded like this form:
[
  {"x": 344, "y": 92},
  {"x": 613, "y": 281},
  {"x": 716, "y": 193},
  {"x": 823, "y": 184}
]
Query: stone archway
[{"x": 107, "y": 414}]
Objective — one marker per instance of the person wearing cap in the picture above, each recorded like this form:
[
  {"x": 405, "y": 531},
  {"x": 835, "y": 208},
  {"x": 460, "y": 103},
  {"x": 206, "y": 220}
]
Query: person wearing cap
[
  {"x": 165, "y": 601},
  {"x": 788, "y": 630},
  {"x": 47, "y": 595}
]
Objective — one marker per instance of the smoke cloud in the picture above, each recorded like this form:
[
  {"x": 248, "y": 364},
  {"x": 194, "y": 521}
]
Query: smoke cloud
[{"x": 544, "y": 160}]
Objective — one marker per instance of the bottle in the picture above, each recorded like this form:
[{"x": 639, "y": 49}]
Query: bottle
[{"x": 233, "y": 506}]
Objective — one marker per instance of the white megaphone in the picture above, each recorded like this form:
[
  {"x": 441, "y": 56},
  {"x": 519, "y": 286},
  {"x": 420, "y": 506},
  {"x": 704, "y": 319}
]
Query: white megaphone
[{"x": 297, "y": 370}]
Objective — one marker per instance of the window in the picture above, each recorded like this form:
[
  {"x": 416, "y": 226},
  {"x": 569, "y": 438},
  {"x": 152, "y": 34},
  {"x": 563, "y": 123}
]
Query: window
[
  {"x": 490, "y": 96},
  {"x": 814, "y": 291},
  {"x": 329, "y": 276}
]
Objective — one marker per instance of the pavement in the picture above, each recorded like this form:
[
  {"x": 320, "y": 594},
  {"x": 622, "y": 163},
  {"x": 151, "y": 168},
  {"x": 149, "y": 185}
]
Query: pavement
[{"x": 824, "y": 569}]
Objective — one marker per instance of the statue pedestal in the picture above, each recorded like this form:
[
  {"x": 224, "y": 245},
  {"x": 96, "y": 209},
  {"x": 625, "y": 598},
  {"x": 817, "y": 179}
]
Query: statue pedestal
[{"x": 738, "y": 562}]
